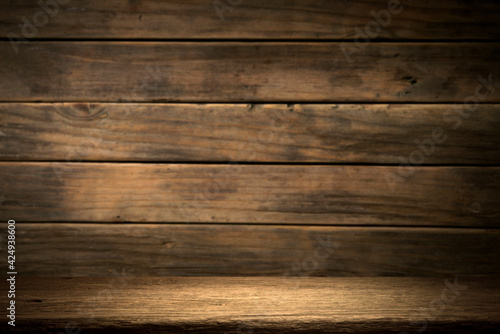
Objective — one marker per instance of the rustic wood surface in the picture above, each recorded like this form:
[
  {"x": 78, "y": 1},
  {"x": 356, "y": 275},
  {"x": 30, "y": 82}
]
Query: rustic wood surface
[
  {"x": 97, "y": 104},
  {"x": 327, "y": 133},
  {"x": 255, "y": 19},
  {"x": 78, "y": 250},
  {"x": 232, "y": 193},
  {"x": 272, "y": 305},
  {"x": 248, "y": 72}
]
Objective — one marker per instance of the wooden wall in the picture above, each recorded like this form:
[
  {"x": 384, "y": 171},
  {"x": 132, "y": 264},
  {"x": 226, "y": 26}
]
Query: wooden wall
[{"x": 251, "y": 138}]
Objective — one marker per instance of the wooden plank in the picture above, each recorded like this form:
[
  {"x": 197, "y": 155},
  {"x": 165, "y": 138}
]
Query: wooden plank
[
  {"x": 69, "y": 250},
  {"x": 265, "y": 305},
  {"x": 249, "y": 72},
  {"x": 249, "y": 133},
  {"x": 307, "y": 19},
  {"x": 231, "y": 193}
]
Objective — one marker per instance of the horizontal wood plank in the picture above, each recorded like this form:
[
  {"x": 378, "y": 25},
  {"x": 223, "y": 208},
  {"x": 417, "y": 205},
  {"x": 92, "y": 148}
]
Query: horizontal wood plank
[
  {"x": 201, "y": 19},
  {"x": 249, "y": 133},
  {"x": 73, "y": 250},
  {"x": 233, "y": 193},
  {"x": 249, "y": 72},
  {"x": 232, "y": 305}
]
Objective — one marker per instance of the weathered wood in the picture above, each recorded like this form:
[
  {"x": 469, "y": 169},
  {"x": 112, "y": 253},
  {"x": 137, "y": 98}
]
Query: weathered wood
[
  {"x": 66, "y": 250},
  {"x": 231, "y": 193},
  {"x": 311, "y": 19},
  {"x": 265, "y": 305},
  {"x": 253, "y": 133},
  {"x": 248, "y": 72}
]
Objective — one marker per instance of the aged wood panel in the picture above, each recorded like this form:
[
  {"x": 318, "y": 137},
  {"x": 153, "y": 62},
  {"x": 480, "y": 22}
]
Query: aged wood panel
[
  {"x": 249, "y": 133},
  {"x": 233, "y": 305},
  {"x": 233, "y": 193},
  {"x": 72, "y": 250},
  {"x": 311, "y": 19},
  {"x": 249, "y": 72}
]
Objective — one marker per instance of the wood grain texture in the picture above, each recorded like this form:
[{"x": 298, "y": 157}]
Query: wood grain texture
[
  {"x": 254, "y": 19},
  {"x": 248, "y": 72},
  {"x": 249, "y": 133},
  {"x": 271, "y": 305},
  {"x": 76, "y": 250},
  {"x": 232, "y": 193}
]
